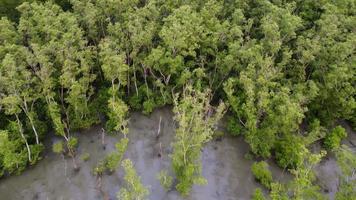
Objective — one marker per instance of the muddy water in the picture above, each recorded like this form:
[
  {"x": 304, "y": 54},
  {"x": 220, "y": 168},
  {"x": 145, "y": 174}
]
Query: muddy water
[
  {"x": 327, "y": 171},
  {"x": 224, "y": 166}
]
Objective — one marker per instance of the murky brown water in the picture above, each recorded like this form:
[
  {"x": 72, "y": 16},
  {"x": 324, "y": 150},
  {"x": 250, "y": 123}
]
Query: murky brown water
[{"x": 224, "y": 166}]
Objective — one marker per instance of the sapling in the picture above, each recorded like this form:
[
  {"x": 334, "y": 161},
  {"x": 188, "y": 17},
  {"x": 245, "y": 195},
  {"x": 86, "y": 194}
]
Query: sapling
[
  {"x": 134, "y": 189},
  {"x": 197, "y": 121}
]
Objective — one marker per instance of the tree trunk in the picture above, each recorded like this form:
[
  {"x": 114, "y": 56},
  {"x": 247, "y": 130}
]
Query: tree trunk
[
  {"x": 99, "y": 186},
  {"x": 34, "y": 130},
  {"x": 25, "y": 109},
  {"x": 145, "y": 77},
  {"x": 72, "y": 155},
  {"x": 24, "y": 138},
  {"x": 103, "y": 138},
  {"x": 159, "y": 126},
  {"x": 135, "y": 81}
]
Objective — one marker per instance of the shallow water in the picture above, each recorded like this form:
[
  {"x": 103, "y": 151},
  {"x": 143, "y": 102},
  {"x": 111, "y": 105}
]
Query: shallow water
[{"x": 224, "y": 166}]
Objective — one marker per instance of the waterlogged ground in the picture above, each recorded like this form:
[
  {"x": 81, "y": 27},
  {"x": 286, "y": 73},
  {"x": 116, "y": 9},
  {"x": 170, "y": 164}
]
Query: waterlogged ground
[{"x": 224, "y": 166}]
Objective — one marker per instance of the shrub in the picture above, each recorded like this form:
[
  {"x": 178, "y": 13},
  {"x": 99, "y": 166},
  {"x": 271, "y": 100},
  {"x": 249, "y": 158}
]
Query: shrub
[
  {"x": 58, "y": 147},
  {"x": 148, "y": 106},
  {"x": 258, "y": 195},
  {"x": 165, "y": 180},
  {"x": 262, "y": 174},
  {"x": 85, "y": 157},
  {"x": 288, "y": 152},
  {"x": 112, "y": 160},
  {"x": 234, "y": 127},
  {"x": 99, "y": 169},
  {"x": 36, "y": 150},
  {"x": 13, "y": 157},
  {"x": 333, "y": 139},
  {"x": 134, "y": 189},
  {"x": 72, "y": 143}
]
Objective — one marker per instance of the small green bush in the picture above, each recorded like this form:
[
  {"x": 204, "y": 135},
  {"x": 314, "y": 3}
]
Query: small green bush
[
  {"x": 112, "y": 161},
  {"x": 58, "y": 147},
  {"x": 148, "y": 106},
  {"x": 36, "y": 151},
  {"x": 258, "y": 195},
  {"x": 99, "y": 169},
  {"x": 12, "y": 160},
  {"x": 72, "y": 143},
  {"x": 333, "y": 139},
  {"x": 85, "y": 157},
  {"x": 234, "y": 127},
  {"x": 288, "y": 152},
  {"x": 262, "y": 174},
  {"x": 165, "y": 180}
]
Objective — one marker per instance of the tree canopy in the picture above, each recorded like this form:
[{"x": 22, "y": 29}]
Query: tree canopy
[{"x": 285, "y": 68}]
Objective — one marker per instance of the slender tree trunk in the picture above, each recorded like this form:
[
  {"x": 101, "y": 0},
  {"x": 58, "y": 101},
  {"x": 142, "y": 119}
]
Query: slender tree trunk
[
  {"x": 65, "y": 164},
  {"x": 128, "y": 62},
  {"x": 135, "y": 82},
  {"x": 72, "y": 155},
  {"x": 99, "y": 186},
  {"x": 103, "y": 138},
  {"x": 113, "y": 88},
  {"x": 24, "y": 138},
  {"x": 66, "y": 125},
  {"x": 33, "y": 126},
  {"x": 128, "y": 82},
  {"x": 74, "y": 163},
  {"x": 159, "y": 126},
  {"x": 145, "y": 77},
  {"x": 26, "y": 111},
  {"x": 34, "y": 130}
]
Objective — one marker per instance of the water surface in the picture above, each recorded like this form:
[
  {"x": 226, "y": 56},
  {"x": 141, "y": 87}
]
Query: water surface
[{"x": 225, "y": 167}]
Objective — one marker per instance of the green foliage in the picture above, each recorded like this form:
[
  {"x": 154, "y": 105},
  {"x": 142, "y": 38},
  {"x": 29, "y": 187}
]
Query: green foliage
[
  {"x": 258, "y": 195},
  {"x": 148, "y": 106},
  {"x": 347, "y": 162},
  {"x": 55, "y": 115},
  {"x": 288, "y": 152},
  {"x": 278, "y": 192},
  {"x": 134, "y": 188},
  {"x": 70, "y": 71},
  {"x": 8, "y": 34},
  {"x": 36, "y": 151},
  {"x": 165, "y": 180},
  {"x": 121, "y": 146},
  {"x": 58, "y": 147},
  {"x": 100, "y": 101},
  {"x": 85, "y": 157},
  {"x": 8, "y": 8},
  {"x": 234, "y": 127},
  {"x": 302, "y": 186},
  {"x": 196, "y": 126},
  {"x": 280, "y": 65},
  {"x": 333, "y": 140},
  {"x": 99, "y": 169},
  {"x": 315, "y": 132},
  {"x": 72, "y": 143},
  {"x": 346, "y": 191},
  {"x": 117, "y": 116},
  {"x": 262, "y": 173},
  {"x": 112, "y": 160},
  {"x": 13, "y": 156}
]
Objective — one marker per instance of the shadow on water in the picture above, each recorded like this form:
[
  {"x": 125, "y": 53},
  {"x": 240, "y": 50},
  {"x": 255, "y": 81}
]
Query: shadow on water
[{"x": 224, "y": 166}]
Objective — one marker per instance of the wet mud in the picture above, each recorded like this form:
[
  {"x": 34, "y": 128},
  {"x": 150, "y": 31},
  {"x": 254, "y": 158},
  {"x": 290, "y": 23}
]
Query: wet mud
[{"x": 225, "y": 167}]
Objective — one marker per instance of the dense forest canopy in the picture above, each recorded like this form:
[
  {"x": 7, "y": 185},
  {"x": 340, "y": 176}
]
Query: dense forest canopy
[{"x": 285, "y": 70}]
